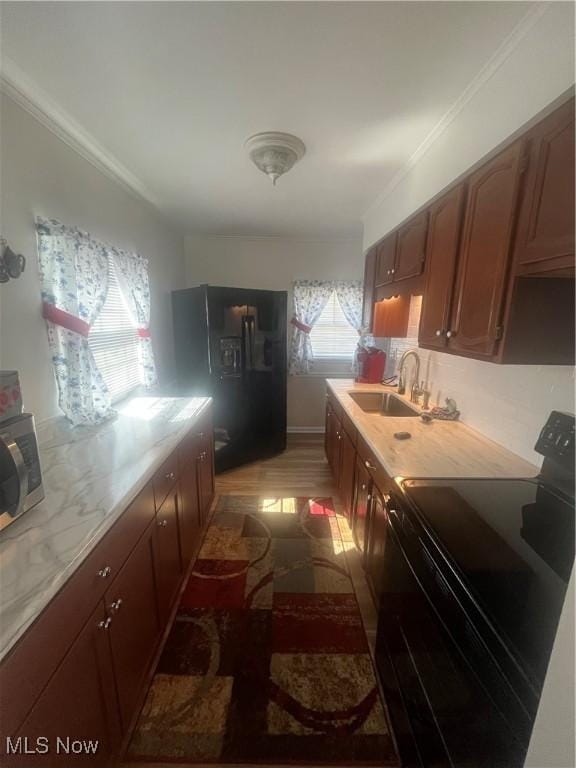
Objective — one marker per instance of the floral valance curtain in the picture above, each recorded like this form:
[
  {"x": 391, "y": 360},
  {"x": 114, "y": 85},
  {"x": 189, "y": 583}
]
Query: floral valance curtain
[
  {"x": 310, "y": 298},
  {"x": 74, "y": 278},
  {"x": 132, "y": 274},
  {"x": 74, "y": 272}
]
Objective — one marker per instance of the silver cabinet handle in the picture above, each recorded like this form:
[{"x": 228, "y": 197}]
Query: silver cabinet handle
[
  {"x": 386, "y": 497},
  {"x": 105, "y": 572},
  {"x": 22, "y": 472},
  {"x": 392, "y": 271},
  {"x": 369, "y": 466},
  {"x": 439, "y": 332},
  {"x": 363, "y": 486},
  {"x": 116, "y": 605},
  {"x": 339, "y": 436},
  {"x": 162, "y": 523},
  {"x": 199, "y": 434},
  {"x": 449, "y": 334},
  {"x": 170, "y": 476},
  {"x": 105, "y": 624}
]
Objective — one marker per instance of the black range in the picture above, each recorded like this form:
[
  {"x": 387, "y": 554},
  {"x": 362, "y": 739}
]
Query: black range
[{"x": 475, "y": 578}]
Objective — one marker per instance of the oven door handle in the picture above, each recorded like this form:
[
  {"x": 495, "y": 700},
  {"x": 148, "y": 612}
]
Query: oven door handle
[{"x": 21, "y": 471}]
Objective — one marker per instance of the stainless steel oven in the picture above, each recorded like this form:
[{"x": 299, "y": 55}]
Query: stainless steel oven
[{"x": 20, "y": 473}]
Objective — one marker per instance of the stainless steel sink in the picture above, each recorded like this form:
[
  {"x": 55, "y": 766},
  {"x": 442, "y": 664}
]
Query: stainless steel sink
[{"x": 383, "y": 403}]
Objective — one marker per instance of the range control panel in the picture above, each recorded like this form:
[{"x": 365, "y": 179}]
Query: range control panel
[{"x": 556, "y": 441}]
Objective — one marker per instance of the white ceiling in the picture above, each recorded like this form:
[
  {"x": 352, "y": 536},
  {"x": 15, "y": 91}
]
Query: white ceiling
[{"x": 172, "y": 90}]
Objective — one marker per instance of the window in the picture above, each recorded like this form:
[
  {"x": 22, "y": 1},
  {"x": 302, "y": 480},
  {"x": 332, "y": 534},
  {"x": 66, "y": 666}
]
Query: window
[
  {"x": 332, "y": 336},
  {"x": 114, "y": 342}
]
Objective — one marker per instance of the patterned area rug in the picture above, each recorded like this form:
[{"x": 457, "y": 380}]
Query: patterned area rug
[{"x": 267, "y": 661}]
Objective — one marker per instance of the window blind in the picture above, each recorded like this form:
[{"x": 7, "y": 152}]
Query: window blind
[
  {"x": 333, "y": 336},
  {"x": 114, "y": 342}
]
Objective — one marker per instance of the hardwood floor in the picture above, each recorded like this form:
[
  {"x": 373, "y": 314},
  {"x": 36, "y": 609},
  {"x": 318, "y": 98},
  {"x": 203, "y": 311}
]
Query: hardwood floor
[{"x": 301, "y": 470}]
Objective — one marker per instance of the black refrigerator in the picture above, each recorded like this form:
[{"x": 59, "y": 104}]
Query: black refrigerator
[{"x": 230, "y": 344}]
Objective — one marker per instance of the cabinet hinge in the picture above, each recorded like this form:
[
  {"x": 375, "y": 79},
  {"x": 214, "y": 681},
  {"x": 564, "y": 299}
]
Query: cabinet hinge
[{"x": 499, "y": 332}]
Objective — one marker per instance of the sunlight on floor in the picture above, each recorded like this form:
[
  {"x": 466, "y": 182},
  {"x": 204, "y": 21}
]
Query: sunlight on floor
[{"x": 286, "y": 506}]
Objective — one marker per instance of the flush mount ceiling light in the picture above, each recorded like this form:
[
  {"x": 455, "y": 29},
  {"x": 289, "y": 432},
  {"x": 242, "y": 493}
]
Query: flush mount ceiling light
[{"x": 274, "y": 153}]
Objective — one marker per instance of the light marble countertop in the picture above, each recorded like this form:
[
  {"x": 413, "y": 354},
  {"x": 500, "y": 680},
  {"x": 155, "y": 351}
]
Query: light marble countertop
[
  {"x": 90, "y": 476},
  {"x": 437, "y": 449}
]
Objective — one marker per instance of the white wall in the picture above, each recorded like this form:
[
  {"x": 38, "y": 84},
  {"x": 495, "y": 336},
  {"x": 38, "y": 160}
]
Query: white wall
[
  {"x": 274, "y": 263},
  {"x": 41, "y": 175},
  {"x": 538, "y": 70}
]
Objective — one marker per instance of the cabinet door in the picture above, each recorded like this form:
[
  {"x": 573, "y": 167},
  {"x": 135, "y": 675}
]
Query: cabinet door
[
  {"x": 411, "y": 248},
  {"x": 484, "y": 255},
  {"x": 445, "y": 221},
  {"x": 386, "y": 260},
  {"x": 205, "y": 475},
  {"x": 362, "y": 489},
  {"x": 168, "y": 567},
  {"x": 545, "y": 238},
  {"x": 79, "y": 703},
  {"x": 331, "y": 438},
  {"x": 376, "y": 540},
  {"x": 189, "y": 520},
  {"x": 347, "y": 465},
  {"x": 369, "y": 285},
  {"x": 134, "y": 627}
]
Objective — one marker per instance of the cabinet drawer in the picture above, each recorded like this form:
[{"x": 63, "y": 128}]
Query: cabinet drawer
[
  {"x": 28, "y": 667},
  {"x": 376, "y": 470},
  {"x": 165, "y": 479},
  {"x": 198, "y": 439},
  {"x": 334, "y": 404}
]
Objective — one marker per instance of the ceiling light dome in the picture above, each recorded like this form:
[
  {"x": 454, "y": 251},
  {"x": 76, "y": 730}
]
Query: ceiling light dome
[{"x": 274, "y": 153}]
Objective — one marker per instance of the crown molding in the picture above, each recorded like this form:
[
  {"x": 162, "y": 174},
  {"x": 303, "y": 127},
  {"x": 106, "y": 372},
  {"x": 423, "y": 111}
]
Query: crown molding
[
  {"x": 28, "y": 95},
  {"x": 319, "y": 238},
  {"x": 500, "y": 55}
]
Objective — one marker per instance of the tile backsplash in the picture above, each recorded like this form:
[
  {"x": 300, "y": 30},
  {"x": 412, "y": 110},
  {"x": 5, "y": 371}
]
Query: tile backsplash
[{"x": 507, "y": 403}]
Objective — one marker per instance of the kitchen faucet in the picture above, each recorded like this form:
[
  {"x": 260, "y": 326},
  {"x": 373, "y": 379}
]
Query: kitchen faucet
[{"x": 415, "y": 391}]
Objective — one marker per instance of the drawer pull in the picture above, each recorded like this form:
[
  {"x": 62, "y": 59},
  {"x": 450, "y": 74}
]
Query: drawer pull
[
  {"x": 105, "y": 624},
  {"x": 116, "y": 605},
  {"x": 199, "y": 434},
  {"x": 369, "y": 466},
  {"x": 105, "y": 572},
  {"x": 162, "y": 523},
  {"x": 363, "y": 486},
  {"x": 170, "y": 476}
]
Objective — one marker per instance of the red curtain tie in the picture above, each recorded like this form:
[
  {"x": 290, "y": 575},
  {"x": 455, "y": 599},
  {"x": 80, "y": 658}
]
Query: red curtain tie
[
  {"x": 144, "y": 333},
  {"x": 64, "y": 319},
  {"x": 301, "y": 326}
]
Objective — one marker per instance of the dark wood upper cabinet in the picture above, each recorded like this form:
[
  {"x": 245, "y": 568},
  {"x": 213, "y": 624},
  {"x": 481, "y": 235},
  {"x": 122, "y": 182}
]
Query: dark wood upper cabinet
[
  {"x": 545, "y": 239},
  {"x": 78, "y": 703},
  {"x": 386, "y": 260},
  {"x": 411, "y": 248},
  {"x": 133, "y": 623},
  {"x": 484, "y": 254},
  {"x": 369, "y": 285},
  {"x": 445, "y": 223}
]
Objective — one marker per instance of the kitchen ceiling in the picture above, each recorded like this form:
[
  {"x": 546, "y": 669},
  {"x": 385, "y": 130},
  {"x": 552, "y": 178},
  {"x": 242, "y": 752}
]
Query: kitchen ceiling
[{"x": 172, "y": 91}]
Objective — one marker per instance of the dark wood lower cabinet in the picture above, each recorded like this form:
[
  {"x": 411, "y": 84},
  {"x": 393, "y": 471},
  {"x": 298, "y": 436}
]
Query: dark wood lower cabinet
[
  {"x": 189, "y": 520},
  {"x": 133, "y": 624},
  {"x": 168, "y": 565},
  {"x": 375, "y": 557},
  {"x": 78, "y": 705},
  {"x": 362, "y": 495},
  {"x": 96, "y": 660},
  {"x": 347, "y": 465}
]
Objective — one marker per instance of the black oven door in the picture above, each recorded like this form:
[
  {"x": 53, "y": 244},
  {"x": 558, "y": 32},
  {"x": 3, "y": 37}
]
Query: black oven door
[{"x": 440, "y": 713}]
